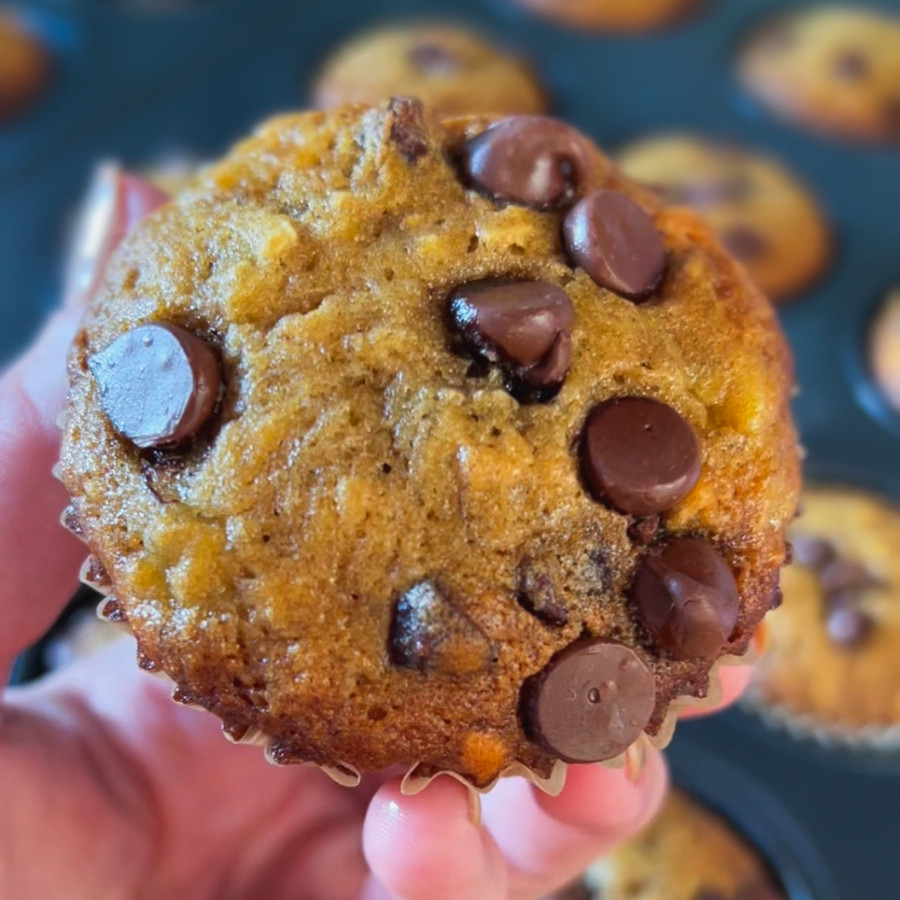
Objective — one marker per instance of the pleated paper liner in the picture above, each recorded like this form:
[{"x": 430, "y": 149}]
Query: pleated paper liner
[{"x": 415, "y": 780}]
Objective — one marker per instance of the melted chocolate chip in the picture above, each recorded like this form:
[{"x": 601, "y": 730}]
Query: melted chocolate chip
[
  {"x": 639, "y": 455},
  {"x": 537, "y": 594},
  {"x": 434, "y": 59},
  {"x": 408, "y": 131},
  {"x": 159, "y": 384},
  {"x": 430, "y": 634},
  {"x": 851, "y": 65},
  {"x": 616, "y": 243},
  {"x": 744, "y": 242},
  {"x": 591, "y": 701},
  {"x": 521, "y": 325},
  {"x": 532, "y": 160},
  {"x": 687, "y": 598}
]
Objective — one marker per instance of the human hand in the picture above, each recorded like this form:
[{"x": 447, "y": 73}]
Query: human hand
[{"x": 111, "y": 791}]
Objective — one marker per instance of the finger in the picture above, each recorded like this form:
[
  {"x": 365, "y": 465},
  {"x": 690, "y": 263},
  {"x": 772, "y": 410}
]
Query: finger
[
  {"x": 547, "y": 841},
  {"x": 734, "y": 681},
  {"x": 430, "y": 846},
  {"x": 38, "y": 558},
  {"x": 115, "y": 202}
]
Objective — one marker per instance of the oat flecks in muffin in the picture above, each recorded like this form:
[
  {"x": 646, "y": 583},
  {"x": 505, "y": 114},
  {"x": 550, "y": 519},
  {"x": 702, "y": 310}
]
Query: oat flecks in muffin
[{"x": 376, "y": 549}]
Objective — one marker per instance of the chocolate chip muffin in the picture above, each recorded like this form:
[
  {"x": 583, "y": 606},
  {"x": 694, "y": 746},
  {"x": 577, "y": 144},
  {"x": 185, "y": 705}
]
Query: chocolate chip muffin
[
  {"x": 614, "y": 15},
  {"x": 831, "y": 69},
  {"x": 831, "y": 665},
  {"x": 884, "y": 349},
  {"x": 391, "y": 429},
  {"x": 687, "y": 853},
  {"x": 761, "y": 212},
  {"x": 449, "y": 68},
  {"x": 24, "y": 64}
]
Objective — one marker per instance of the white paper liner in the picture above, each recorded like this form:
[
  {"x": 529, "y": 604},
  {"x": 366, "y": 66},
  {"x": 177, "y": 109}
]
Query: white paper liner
[
  {"x": 807, "y": 726},
  {"x": 413, "y": 782}
]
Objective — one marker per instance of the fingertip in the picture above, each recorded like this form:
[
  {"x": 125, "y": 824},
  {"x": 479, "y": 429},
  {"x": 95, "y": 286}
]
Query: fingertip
[
  {"x": 429, "y": 846},
  {"x": 610, "y": 803},
  {"x": 733, "y": 681}
]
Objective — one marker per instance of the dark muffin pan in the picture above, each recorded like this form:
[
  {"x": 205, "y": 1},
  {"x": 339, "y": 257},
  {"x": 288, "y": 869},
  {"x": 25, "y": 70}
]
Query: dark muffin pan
[{"x": 137, "y": 80}]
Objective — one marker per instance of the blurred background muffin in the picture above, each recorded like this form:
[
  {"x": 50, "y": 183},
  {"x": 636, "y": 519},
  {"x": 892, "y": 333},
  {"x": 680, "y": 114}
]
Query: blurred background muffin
[
  {"x": 761, "y": 212},
  {"x": 831, "y": 665},
  {"x": 687, "y": 853},
  {"x": 449, "y": 68},
  {"x": 24, "y": 64},
  {"x": 884, "y": 349},
  {"x": 832, "y": 69}
]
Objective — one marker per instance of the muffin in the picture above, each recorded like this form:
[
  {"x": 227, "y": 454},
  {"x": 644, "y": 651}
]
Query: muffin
[
  {"x": 884, "y": 349},
  {"x": 451, "y": 69},
  {"x": 687, "y": 853},
  {"x": 614, "y": 15},
  {"x": 830, "y": 666},
  {"x": 761, "y": 212},
  {"x": 392, "y": 426},
  {"x": 831, "y": 69},
  {"x": 24, "y": 64}
]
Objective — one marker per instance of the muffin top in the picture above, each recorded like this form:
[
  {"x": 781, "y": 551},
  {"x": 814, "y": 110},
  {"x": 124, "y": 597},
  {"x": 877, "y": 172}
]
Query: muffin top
[
  {"x": 687, "y": 853},
  {"x": 390, "y": 427},
  {"x": 831, "y": 660},
  {"x": 832, "y": 69},
  {"x": 451, "y": 69},
  {"x": 761, "y": 212}
]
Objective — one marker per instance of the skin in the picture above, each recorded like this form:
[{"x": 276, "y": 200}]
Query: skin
[{"x": 111, "y": 790}]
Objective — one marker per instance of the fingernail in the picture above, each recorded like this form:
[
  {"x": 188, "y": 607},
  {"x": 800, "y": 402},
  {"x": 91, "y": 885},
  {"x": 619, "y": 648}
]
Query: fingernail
[
  {"x": 635, "y": 761},
  {"x": 92, "y": 232},
  {"x": 761, "y": 637},
  {"x": 474, "y": 807}
]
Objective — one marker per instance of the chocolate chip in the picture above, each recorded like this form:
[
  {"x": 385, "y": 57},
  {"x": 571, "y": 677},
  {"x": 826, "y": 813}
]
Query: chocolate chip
[
  {"x": 408, "y": 131},
  {"x": 532, "y": 160},
  {"x": 537, "y": 594},
  {"x": 777, "y": 597},
  {"x": 523, "y": 326},
  {"x": 706, "y": 192},
  {"x": 848, "y": 626},
  {"x": 811, "y": 551},
  {"x": 434, "y": 59},
  {"x": 158, "y": 383},
  {"x": 591, "y": 701},
  {"x": 687, "y": 598},
  {"x": 744, "y": 242},
  {"x": 430, "y": 634},
  {"x": 639, "y": 455},
  {"x": 851, "y": 65},
  {"x": 616, "y": 243},
  {"x": 843, "y": 574},
  {"x": 643, "y": 530}
]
